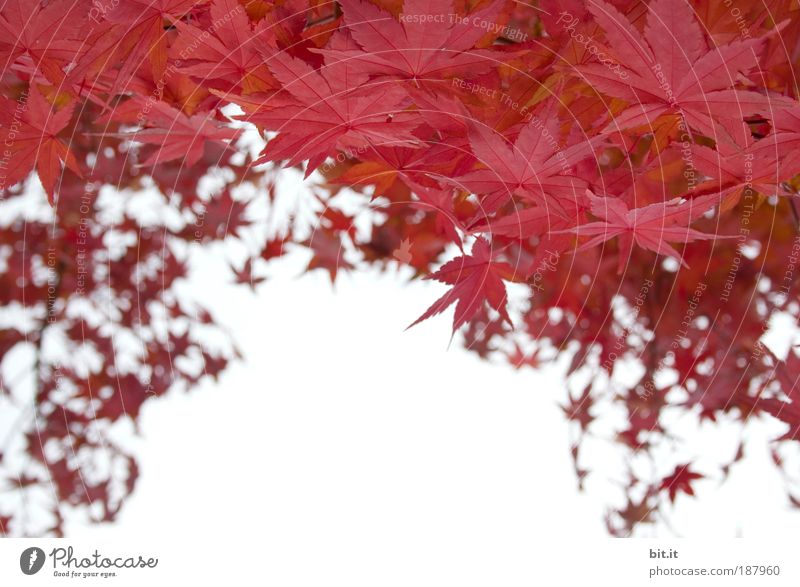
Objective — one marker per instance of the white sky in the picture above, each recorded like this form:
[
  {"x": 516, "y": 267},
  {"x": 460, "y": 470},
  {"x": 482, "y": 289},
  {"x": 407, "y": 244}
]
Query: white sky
[{"x": 340, "y": 431}]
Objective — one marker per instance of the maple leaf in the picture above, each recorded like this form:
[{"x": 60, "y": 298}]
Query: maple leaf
[
  {"x": 218, "y": 217},
  {"x": 427, "y": 44},
  {"x": 141, "y": 24},
  {"x": 383, "y": 165},
  {"x": 744, "y": 165},
  {"x": 336, "y": 220},
  {"x": 178, "y": 136},
  {"x": 521, "y": 223},
  {"x": 787, "y": 372},
  {"x": 788, "y": 120},
  {"x": 276, "y": 247},
  {"x": 28, "y": 130},
  {"x": 633, "y": 514},
  {"x": 680, "y": 480},
  {"x": 231, "y": 51},
  {"x": 213, "y": 365},
  {"x": 440, "y": 201},
  {"x": 48, "y": 34},
  {"x": 786, "y": 138},
  {"x": 534, "y": 168},
  {"x": 578, "y": 408},
  {"x": 125, "y": 398},
  {"x": 475, "y": 278},
  {"x": 323, "y": 112},
  {"x": 245, "y": 275},
  {"x": 650, "y": 227},
  {"x": 328, "y": 252},
  {"x": 519, "y": 358},
  {"x": 671, "y": 69}
]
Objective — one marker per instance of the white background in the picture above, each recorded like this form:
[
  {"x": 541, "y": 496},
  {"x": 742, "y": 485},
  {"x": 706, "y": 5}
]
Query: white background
[{"x": 340, "y": 431}]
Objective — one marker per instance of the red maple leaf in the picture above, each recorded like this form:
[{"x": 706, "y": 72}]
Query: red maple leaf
[
  {"x": 28, "y": 130},
  {"x": 578, "y": 408},
  {"x": 428, "y": 43},
  {"x": 140, "y": 25},
  {"x": 680, "y": 480},
  {"x": 231, "y": 51},
  {"x": 786, "y": 124},
  {"x": 276, "y": 247},
  {"x": 244, "y": 276},
  {"x": 650, "y": 227},
  {"x": 328, "y": 252},
  {"x": 534, "y": 167},
  {"x": 744, "y": 165},
  {"x": 671, "y": 68},
  {"x": 322, "y": 111},
  {"x": 384, "y": 165},
  {"x": 475, "y": 278},
  {"x": 633, "y": 514},
  {"x": 47, "y": 33},
  {"x": 178, "y": 136},
  {"x": 218, "y": 217}
]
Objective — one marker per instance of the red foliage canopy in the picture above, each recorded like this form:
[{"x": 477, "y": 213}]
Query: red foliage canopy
[{"x": 632, "y": 166}]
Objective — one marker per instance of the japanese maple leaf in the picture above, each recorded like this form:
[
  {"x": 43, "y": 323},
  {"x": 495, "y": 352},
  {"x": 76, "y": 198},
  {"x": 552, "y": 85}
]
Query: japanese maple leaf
[
  {"x": 219, "y": 216},
  {"x": 476, "y": 278},
  {"x": 276, "y": 246},
  {"x": 213, "y": 366},
  {"x": 439, "y": 201},
  {"x": 633, "y": 514},
  {"x": 245, "y": 276},
  {"x": 788, "y": 120},
  {"x": 533, "y": 167},
  {"x": 680, "y": 480},
  {"x": 28, "y": 130},
  {"x": 141, "y": 23},
  {"x": 519, "y": 358},
  {"x": 231, "y": 51},
  {"x": 383, "y": 165},
  {"x": 328, "y": 252},
  {"x": 179, "y": 136},
  {"x": 578, "y": 408},
  {"x": 48, "y": 34},
  {"x": 651, "y": 227},
  {"x": 671, "y": 68},
  {"x": 744, "y": 163},
  {"x": 786, "y": 124},
  {"x": 717, "y": 390},
  {"x": 787, "y": 373},
  {"x": 427, "y": 43},
  {"x": 521, "y": 223},
  {"x": 328, "y": 110},
  {"x": 537, "y": 221}
]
